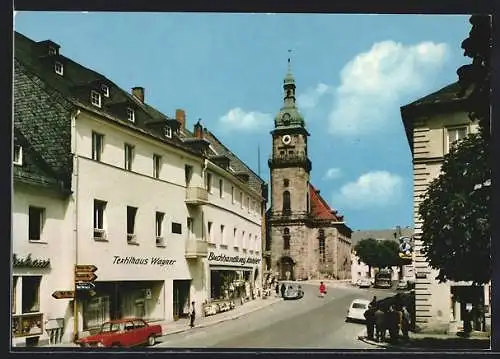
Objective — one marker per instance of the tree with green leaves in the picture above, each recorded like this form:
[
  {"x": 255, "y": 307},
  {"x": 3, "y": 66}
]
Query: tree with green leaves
[
  {"x": 379, "y": 254},
  {"x": 456, "y": 229}
]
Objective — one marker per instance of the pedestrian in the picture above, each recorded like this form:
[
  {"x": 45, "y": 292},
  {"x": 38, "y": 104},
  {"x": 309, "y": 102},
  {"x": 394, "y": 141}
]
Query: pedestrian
[
  {"x": 374, "y": 301},
  {"x": 379, "y": 317},
  {"x": 393, "y": 323},
  {"x": 277, "y": 289},
  {"x": 370, "y": 321},
  {"x": 405, "y": 324},
  {"x": 467, "y": 323},
  {"x": 283, "y": 289},
  {"x": 322, "y": 289},
  {"x": 192, "y": 315}
]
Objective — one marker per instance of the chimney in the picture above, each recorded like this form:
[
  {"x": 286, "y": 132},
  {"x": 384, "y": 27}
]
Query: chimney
[
  {"x": 138, "y": 93},
  {"x": 198, "y": 129},
  {"x": 180, "y": 116}
]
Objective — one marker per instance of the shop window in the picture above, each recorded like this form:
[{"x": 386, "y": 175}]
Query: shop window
[
  {"x": 31, "y": 294},
  {"x": 36, "y": 223},
  {"x": 286, "y": 202},
  {"x": 131, "y": 214},
  {"x": 96, "y": 312},
  {"x": 188, "y": 173},
  {"x": 176, "y": 228}
]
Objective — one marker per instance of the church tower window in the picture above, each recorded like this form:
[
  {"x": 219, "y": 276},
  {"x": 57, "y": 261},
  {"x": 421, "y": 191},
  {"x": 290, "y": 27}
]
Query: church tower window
[
  {"x": 286, "y": 238},
  {"x": 286, "y": 202},
  {"x": 322, "y": 253},
  {"x": 286, "y": 182}
]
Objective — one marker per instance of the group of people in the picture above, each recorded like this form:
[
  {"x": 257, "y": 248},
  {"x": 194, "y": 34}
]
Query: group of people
[{"x": 396, "y": 320}]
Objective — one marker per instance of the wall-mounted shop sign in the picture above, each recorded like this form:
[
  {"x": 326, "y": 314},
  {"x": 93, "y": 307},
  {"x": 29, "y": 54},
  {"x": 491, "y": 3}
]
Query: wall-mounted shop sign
[
  {"x": 222, "y": 258},
  {"x": 28, "y": 262},
  {"x": 158, "y": 261}
]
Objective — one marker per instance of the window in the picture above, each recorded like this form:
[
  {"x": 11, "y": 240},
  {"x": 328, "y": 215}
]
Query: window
[
  {"x": 209, "y": 182},
  {"x": 159, "y": 223},
  {"x": 129, "y": 156},
  {"x": 455, "y": 134},
  {"x": 190, "y": 227},
  {"x": 52, "y": 50},
  {"x": 222, "y": 234},
  {"x": 282, "y": 153},
  {"x": 241, "y": 198},
  {"x": 99, "y": 210},
  {"x": 235, "y": 238},
  {"x": 221, "y": 188},
  {"x": 176, "y": 228},
  {"x": 249, "y": 242},
  {"x": 130, "y": 114},
  {"x": 167, "y": 131},
  {"x": 286, "y": 182},
  {"x": 95, "y": 98},
  {"x": 286, "y": 238},
  {"x": 188, "y": 173},
  {"x": 58, "y": 68},
  {"x": 248, "y": 203},
  {"x": 18, "y": 155},
  {"x": 233, "y": 194},
  {"x": 242, "y": 239},
  {"x": 36, "y": 222},
  {"x": 209, "y": 226},
  {"x": 31, "y": 294},
  {"x": 156, "y": 166},
  {"x": 105, "y": 90},
  {"x": 14, "y": 293},
  {"x": 97, "y": 146},
  {"x": 131, "y": 213},
  {"x": 286, "y": 202}
]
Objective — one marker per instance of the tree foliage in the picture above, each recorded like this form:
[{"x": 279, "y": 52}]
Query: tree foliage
[
  {"x": 456, "y": 230},
  {"x": 380, "y": 254}
]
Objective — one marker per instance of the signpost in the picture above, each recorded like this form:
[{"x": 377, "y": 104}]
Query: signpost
[
  {"x": 84, "y": 281},
  {"x": 63, "y": 294}
]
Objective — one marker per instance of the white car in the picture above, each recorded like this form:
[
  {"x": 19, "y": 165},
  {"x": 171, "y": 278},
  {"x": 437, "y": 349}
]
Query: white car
[
  {"x": 364, "y": 283},
  {"x": 357, "y": 310}
]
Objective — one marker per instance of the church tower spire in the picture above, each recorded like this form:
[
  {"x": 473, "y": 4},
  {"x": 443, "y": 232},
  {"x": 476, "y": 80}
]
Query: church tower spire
[{"x": 289, "y": 86}]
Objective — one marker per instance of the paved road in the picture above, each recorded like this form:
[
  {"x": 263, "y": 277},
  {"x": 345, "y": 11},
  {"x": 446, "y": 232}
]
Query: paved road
[{"x": 310, "y": 322}]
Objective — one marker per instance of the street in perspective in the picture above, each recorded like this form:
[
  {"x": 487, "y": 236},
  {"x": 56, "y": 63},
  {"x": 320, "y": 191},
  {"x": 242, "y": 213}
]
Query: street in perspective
[{"x": 250, "y": 181}]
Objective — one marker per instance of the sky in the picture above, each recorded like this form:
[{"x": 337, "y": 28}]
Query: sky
[{"x": 353, "y": 73}]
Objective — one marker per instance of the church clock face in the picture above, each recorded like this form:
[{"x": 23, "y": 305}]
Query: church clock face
[
  {"x": 286, "y": 139},
  {"x": 286, "y": 119}
]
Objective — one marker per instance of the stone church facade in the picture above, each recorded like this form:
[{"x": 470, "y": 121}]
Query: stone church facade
[{"x": 305, "y": 238}]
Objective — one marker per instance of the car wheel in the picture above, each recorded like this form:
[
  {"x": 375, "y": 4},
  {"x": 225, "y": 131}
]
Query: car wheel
[
  {"x": 347, "y": 320},
  {"x": 151, "y": 340}
]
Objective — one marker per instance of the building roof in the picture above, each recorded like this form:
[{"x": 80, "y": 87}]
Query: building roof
[{"x": 380, "y": 234}]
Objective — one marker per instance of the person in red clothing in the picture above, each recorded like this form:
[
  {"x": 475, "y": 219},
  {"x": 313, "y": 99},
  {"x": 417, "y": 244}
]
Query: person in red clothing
[{"x": 322, "y": 289}]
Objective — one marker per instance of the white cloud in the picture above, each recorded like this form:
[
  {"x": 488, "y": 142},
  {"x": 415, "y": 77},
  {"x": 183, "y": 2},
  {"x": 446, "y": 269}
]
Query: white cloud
[
  {"x": 239, "y": 120},
  {"x": 372, "y": 83},
  {"x": 332, "y": 173},
  {"x": 310, "y": 98},
  {"x": 372, "y": 189}
]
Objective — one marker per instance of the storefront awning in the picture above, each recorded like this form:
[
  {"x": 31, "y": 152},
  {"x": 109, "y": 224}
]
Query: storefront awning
[{"x": 232, "y": 268}]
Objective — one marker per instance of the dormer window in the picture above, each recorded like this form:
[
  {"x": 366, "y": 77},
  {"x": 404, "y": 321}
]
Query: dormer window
[
  {"x": 130, "y": 115},
  {"x": 58, "y": 68},
  {"x": 168, "y": 131},
  {"x": 95, "y": 98},
  {"x": 18, "y": 155},
  {"x": 52, "y": 50},
  {"x": 105, "y": 90}
]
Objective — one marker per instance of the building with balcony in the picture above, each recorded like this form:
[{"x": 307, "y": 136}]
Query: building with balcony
[
  {"x": 433, "y": 124},
  {"x": 305, "y": 238},
  {"x": 139, "y": 197}
]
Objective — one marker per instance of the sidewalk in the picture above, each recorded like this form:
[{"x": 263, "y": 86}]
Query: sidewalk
[
  {"x": 182, "y": 325},
  {"x": 422, "y": 341}
]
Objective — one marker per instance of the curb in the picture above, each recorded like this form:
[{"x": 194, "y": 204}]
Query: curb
[
  {"x": 204, "y": 325},
  {"x": 375, "y": 344}
]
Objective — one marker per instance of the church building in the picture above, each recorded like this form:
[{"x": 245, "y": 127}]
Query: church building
[{"x": 306, "y": 239}]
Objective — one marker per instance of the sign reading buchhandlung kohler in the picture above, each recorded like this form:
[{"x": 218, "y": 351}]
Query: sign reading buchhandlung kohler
[
  {"x": 161, "y": 262},
  {"x": 222, "y": 258}
]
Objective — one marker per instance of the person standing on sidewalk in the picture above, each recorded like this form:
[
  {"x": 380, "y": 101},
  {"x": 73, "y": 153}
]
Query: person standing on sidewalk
[
  {"x": 283, "y": 289},
  {"x": 405, "y": 324},
  {"x": 277, "y": 289},
  {"x": 322, "y": 289},
  {"x": 379, "y": 316},
  {"x": 370, "y": 322},
  {"x": 192, "y": 315},
  {"x": 393, "y": 320}
]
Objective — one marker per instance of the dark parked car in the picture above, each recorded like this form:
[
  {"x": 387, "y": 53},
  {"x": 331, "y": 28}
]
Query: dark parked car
[{"x": 293, "y": 290}]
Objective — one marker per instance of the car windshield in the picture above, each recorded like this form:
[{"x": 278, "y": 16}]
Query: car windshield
[
  {"x": 358, "y": 305},
  {"x": 111, "y": 327}
]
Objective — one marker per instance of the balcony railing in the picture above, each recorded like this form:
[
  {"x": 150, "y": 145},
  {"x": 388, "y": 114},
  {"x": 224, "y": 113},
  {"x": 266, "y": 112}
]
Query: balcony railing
[
  {"x": 289, "y": 160},
  {"x": 196, "y": 248},
  {"x": 196, "y": 195},
  {"x": 24, "y": 325}
]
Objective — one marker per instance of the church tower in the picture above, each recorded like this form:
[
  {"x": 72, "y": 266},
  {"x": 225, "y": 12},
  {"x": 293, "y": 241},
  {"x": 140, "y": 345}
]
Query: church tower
[{"x": 289, "y": 172}]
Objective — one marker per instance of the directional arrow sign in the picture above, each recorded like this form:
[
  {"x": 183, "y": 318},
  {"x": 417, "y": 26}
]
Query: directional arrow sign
[
  {"x": 85, "y": 286},
  {"x": 85, "y": 268},
  {"x": 63, "y": 294},
  {"x": 85, "y": 277}
]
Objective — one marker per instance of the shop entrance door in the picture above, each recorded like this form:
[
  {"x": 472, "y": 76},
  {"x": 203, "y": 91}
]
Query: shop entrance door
[{"x": 181, "y": 298}]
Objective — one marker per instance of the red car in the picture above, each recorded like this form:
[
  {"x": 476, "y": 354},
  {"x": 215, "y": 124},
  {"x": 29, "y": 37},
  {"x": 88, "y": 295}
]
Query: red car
[{"x": 123, "y": 333}]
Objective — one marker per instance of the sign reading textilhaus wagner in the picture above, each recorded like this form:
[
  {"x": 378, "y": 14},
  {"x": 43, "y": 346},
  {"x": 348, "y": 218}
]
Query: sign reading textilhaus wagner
[{"x": 222, "y": 258}]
